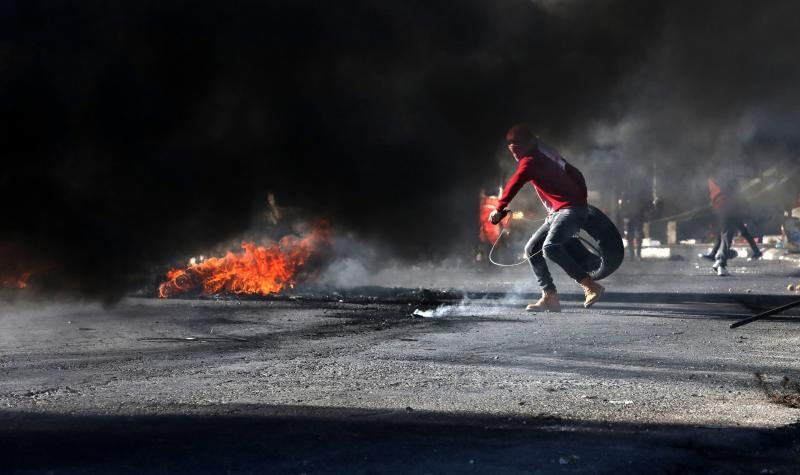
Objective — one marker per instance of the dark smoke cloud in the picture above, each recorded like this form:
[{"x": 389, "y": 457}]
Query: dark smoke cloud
[
  {"x": 716, "y": 95},
  {"x": 138, "y": 131}
]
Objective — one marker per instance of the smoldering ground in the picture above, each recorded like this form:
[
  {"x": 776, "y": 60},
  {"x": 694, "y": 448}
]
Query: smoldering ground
[{"x": 142, "y": 131}]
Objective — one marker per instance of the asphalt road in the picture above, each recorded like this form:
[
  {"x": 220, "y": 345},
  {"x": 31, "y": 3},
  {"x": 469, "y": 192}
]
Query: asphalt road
[{"x": 650, "y": 380}]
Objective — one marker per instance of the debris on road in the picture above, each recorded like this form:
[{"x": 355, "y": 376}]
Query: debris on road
[
  {"x": 192, "y": 338},
  {"x": 786, "y": 392},
  {"x": 768, "y": 313},
  {"x": 568, "y": 460}
]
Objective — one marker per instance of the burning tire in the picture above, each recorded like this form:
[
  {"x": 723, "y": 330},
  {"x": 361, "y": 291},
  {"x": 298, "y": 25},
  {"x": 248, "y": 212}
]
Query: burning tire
[{"x": 599, "y": 248}]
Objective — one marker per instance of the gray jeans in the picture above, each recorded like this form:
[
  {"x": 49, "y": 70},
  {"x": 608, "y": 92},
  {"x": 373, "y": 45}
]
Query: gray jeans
[
  {"x": 729, "y": 222},
  {"x": 557, "y": 229}
]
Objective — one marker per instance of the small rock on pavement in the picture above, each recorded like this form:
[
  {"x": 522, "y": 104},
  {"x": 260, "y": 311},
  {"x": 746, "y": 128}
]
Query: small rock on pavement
[{"x": 571, "y": 459}]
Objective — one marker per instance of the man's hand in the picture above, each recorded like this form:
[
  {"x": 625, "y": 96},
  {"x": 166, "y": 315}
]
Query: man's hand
[{"x": 497, "y": 215}]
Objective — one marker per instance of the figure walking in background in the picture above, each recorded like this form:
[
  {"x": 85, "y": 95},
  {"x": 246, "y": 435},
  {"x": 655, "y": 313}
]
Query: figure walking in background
[
  {"x": 562, "y": 190},
  {"x": 635, "y": 202},
  {"x": 726, "y": 206}
]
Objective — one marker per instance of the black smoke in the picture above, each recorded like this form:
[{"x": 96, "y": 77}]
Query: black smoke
[
  {"x": 138, "y": 131},
  {"x": 715, "y": 96}
]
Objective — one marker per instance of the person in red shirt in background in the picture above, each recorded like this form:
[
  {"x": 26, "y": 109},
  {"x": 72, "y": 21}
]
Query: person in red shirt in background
[{"x": 562, "y": 190}]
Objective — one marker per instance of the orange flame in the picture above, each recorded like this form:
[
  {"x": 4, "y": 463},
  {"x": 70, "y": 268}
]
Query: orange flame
[
  {"x": 257, "y": 270},
  {"x": 16, "y": 265},
  {"x": 489, "y": 232},
  {"x": 16, "y": 281}
]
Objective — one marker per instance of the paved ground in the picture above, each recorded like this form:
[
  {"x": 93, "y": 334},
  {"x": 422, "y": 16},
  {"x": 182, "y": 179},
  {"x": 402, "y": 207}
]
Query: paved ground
[{"x": 650, "y": 380}]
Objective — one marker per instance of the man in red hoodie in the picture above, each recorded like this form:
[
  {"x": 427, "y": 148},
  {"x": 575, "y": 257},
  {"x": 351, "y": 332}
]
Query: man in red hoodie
[{"x": 562, "y": 190}]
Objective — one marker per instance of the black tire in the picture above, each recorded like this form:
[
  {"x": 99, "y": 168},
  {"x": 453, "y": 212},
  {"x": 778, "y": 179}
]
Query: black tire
[{"x": 602, "y": 260}]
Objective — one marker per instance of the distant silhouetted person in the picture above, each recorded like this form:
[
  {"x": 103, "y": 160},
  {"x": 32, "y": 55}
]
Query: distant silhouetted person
[
  {"x": 635, "y": 202},
  {"x": 726, "y": 205}
]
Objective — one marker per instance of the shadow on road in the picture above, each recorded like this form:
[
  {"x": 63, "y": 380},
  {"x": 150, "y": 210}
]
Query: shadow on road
[{"x": 299, "y": 439}]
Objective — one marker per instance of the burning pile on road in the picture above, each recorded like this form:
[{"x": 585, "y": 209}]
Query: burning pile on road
[
  {"x": 16, "y": 267},
  {"x": 489, "y": 232},
  {"x": 257, "y": 270},
  {"x": 16, "y": 281}
]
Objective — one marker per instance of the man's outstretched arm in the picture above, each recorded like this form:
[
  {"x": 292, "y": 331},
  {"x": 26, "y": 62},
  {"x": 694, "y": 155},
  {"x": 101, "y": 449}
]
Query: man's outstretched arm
[
  {"x": 523, "y": 175},
  {"x": 515, "y": 183}
]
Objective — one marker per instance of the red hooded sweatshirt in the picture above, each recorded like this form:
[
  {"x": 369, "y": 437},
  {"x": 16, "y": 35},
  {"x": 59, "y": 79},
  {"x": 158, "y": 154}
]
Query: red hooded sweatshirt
[
  {"x": 717, "y": 196},
  {"x": 559, "y": 184}
]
